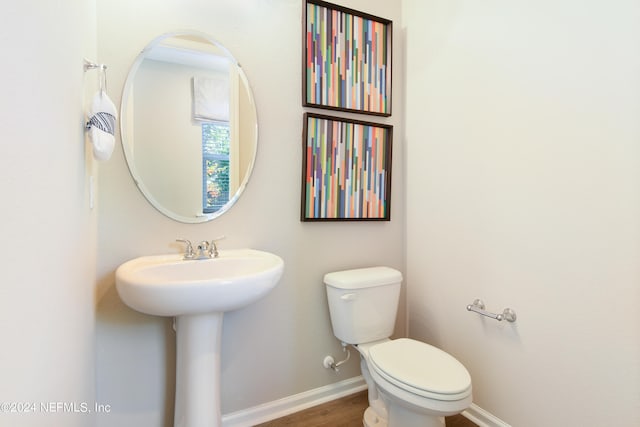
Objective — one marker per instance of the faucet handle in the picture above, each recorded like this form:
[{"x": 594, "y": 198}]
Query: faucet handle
[
  {"x": 188, "y": 253},
  {"x": 213, "y": 248}
]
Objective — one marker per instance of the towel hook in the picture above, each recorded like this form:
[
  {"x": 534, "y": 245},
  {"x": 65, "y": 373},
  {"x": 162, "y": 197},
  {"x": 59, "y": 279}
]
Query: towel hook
[{"x": 88, "y": 65}]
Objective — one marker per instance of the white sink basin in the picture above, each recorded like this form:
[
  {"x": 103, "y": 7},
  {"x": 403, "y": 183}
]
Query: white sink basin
[
  {"x": 167, "y": 285},
  {"x": 197, "y": 293}
]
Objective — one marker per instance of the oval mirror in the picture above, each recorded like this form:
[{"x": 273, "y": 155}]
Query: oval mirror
[{"x": 188, "y": 126}]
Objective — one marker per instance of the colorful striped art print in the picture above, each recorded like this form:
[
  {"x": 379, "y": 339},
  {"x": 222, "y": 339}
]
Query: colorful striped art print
[
  {"x": 347, "y": 60},
  {"x": 346, "y": 170}
]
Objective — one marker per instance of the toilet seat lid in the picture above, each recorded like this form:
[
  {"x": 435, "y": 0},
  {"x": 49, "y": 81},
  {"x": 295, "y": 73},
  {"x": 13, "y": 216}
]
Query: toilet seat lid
[{"x": 421, "y": 368}]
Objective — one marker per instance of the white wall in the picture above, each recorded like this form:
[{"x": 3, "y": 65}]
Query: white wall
[
  {"x": 274, "y": 348},
  {"x": 523, "y": 159},
  {"x": 48, "y": 231}
]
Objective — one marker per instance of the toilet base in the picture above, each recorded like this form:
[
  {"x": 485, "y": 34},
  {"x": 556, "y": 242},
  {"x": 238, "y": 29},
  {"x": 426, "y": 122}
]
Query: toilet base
[
  {"x": 371, "y": 419},
  {"x": 401, "y": 416}
]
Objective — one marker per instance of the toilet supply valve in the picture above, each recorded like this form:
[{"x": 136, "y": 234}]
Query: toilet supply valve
[{"x": 329, "y": 361}]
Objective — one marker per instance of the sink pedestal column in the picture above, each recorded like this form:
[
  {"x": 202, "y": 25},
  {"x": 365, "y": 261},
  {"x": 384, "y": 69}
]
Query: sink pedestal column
[{"x": 198, "y": 339}]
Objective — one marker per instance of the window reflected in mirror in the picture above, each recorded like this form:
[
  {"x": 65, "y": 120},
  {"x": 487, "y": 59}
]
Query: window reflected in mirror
[{"x": 215, "y": 166}]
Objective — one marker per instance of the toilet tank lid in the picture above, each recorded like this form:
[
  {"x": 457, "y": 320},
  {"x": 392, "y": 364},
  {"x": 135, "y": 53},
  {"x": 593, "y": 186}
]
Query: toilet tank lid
[{"x": 363, "y": 278}]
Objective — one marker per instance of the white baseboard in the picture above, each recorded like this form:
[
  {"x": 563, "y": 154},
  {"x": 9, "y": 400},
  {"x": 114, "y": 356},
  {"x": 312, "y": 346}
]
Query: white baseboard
[
  {"x": 298, "y": 402},
  {"x": 288, "y": 405},
  {"x": 482, "y": 417}
]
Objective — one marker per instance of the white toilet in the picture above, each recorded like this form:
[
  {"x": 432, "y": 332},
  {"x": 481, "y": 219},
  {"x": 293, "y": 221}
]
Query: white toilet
[{"x": 411, "y": 384}]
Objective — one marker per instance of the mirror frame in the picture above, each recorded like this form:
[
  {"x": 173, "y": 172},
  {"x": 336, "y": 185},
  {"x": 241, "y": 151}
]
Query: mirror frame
[{"x": 126, "y": 145}]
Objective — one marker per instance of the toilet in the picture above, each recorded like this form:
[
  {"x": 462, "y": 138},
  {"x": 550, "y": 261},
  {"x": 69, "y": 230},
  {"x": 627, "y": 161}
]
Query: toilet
[{"x": 411, "y": 383}]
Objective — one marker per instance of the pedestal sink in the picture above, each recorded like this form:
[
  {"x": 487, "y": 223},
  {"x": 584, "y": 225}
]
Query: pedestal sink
[{"x": 197, "y": 293}]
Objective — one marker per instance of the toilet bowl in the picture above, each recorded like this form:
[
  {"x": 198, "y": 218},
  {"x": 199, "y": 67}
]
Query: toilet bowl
[
  {"x": 411, "y": 383},
  {"x": 419, "y": 383}
]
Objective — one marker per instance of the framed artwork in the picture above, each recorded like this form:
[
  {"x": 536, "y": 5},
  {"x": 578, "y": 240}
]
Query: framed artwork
[
  {"x": 346, "y": 169},
  {"x": 346, "y": 59}
]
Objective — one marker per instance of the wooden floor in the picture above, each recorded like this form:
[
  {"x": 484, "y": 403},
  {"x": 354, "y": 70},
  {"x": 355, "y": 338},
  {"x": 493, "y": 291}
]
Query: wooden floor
[{"x": 345, "y": 412}]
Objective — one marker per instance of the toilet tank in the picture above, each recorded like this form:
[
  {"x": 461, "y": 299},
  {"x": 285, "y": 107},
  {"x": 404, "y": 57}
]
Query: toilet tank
[{"x": 363, "y": 303}]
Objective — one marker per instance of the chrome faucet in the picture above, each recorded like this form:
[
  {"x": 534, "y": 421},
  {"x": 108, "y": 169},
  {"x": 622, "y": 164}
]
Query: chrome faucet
[{"x": 204, "y": 250}]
